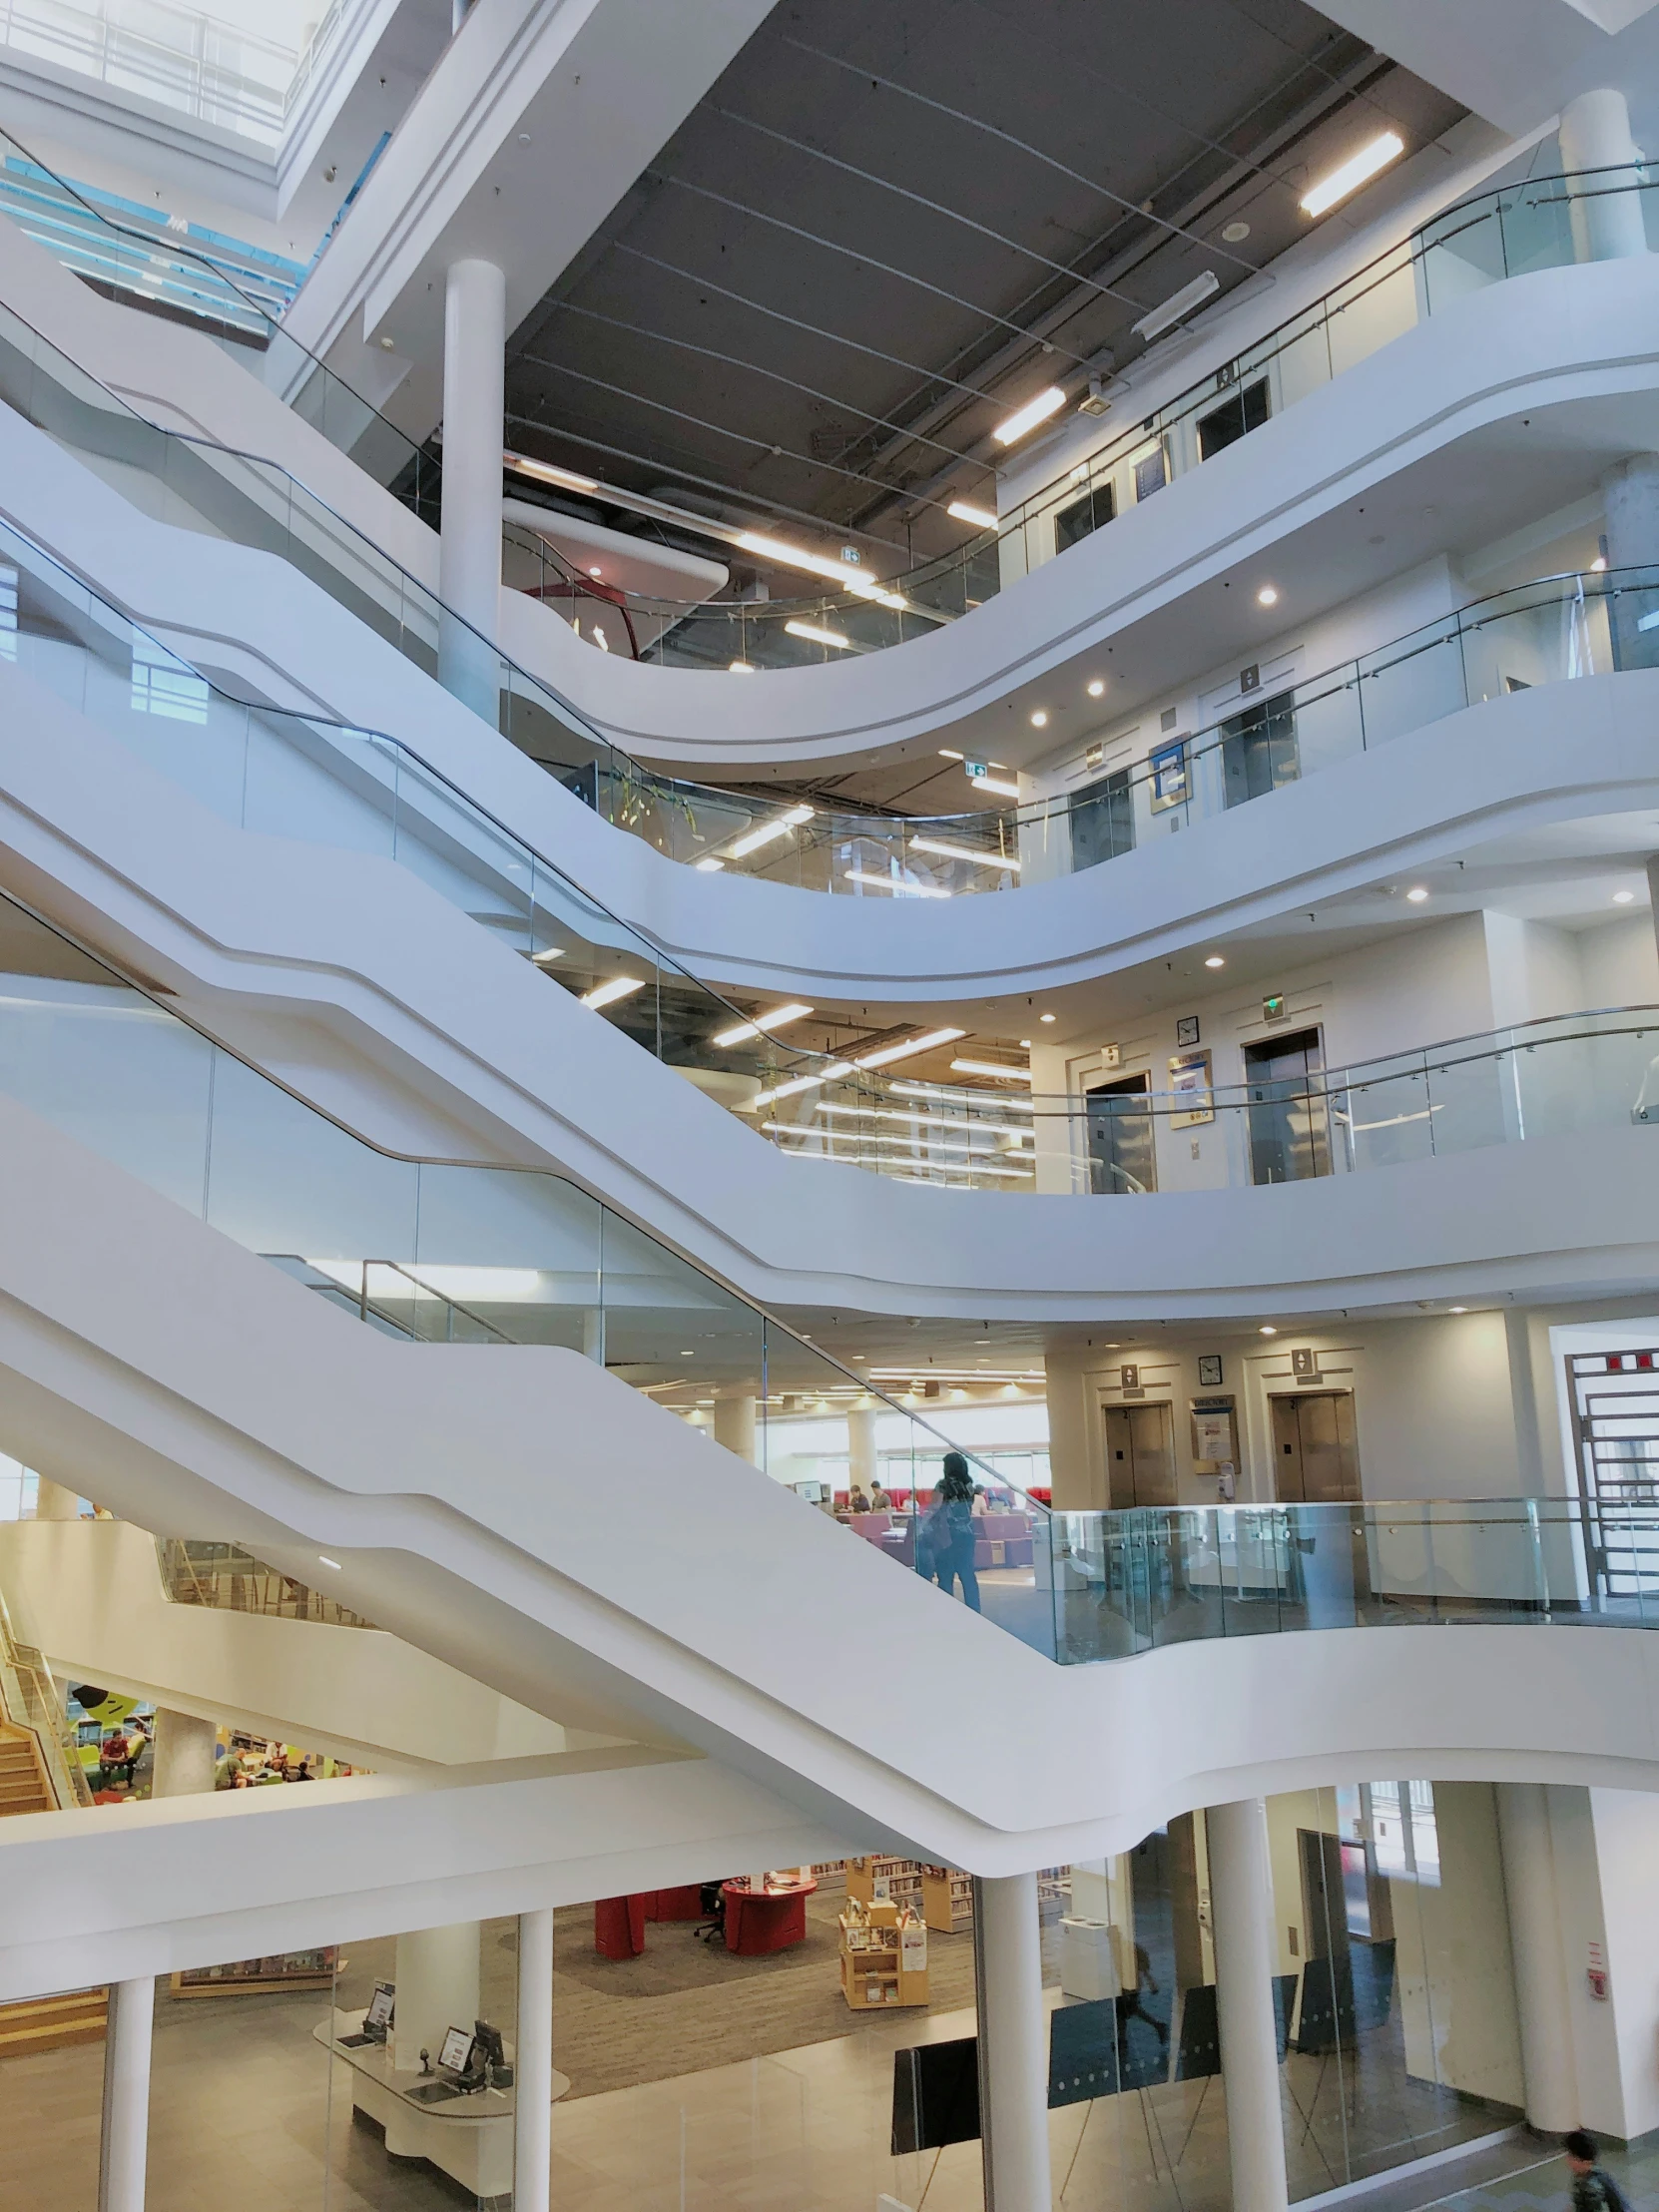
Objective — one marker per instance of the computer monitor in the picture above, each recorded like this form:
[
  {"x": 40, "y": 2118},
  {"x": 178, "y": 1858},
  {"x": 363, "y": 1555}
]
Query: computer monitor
[
  {"x": 382, "y": 2006},
  {"x": 487, "y": 2045},
  {"x": 457, "y": 2049}
]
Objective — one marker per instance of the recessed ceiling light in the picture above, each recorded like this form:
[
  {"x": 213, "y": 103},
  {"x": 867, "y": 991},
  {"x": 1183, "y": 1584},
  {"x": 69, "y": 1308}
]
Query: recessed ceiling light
[
  {"x": 1039, "y": 721},
  {"x": 1026, "y": 419},
  {"x": 1623, "y": 899},
  {"x": 1047, "y": 1017},
  {"x": 963, "y": 510},
  {"x": 741, "y": 668},
  {"x": 1215, "y": 960},
  {"x": 1267, "y": 1329},
  {"x": 596, "y": 572},
  {"x": 1326, "y": 195},
  {"x": 1025, "y": 1044},
  {"x": 1235, "y": 232},
  {"x": 1416, "y": 894},
  {"x": 1096, "y": 687},
  {"x": 1460, "y": 1309},
  {"x": 1268, "y": 596}
]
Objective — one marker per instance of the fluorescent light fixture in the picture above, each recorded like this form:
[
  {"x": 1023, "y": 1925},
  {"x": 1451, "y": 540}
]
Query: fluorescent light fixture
[
  {"x": 818, "y": 564},
  {"x": 1215, "y": 960},
  {"x": 998, "y": 1068},
  {"x": 753, "y": 839},
  {"x": 1180, "y": 303},
  {"x": 1365, "y": 165},
  {"x": 898, "y": 888},
  {"x": 1649, "y": 622},
  {"x": 1096, "y": 688},
  {"x": 962, "y": 853},
  {"x": 946, "y": 754},
  {"x": 1623, "y": 899},
  {"x": 328, "y": 1562},
  {"x": 796, "y": 1083},
  {"x": 1416, "y": 894},
  {"x": 546, "y": 957},
  {"x": 763, "y": 1024},
  {"x": 613, "y": 988},
  {"x": 1023, "y": 419},
  {"x": 963, "y": 510},
  {"x": 1000, "y": 790},
  {"x": 566, "y": 478},
  {"x": 1268, "y": 596},
  {"x": 1039, "y": 721},
  {"x": 709, "y": 866},
  {"x": 739, "y": 668},
  {"x": 908, "y": 1050},
  {"x": 948, "y": 1094},
  {"x": 816, "y": 635}
]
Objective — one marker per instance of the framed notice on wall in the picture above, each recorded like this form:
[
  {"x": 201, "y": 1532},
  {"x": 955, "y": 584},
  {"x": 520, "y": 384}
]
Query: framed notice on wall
[
  {"x": 1189, "y": 1081},
  {"x": 1214, "y": 1432}
]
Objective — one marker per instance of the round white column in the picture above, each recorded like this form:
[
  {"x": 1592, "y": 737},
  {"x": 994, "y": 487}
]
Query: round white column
[
  {"x": 593, "y": 1333},
  {"x": 125, "y": 2145},
  {"x": 860, "y": 1448},
  {"x": 437, "y": 1988},
  {"x": 1594, "y": 135},
  {"x": 533, "y": 2064},
  {"x": 186, "y": 1754},
  {"x": 469, "y": 551},
  {"x": 1544, "y": 2016},
  {"x": 1241, "y": 1906},
  {"x": 1013, "y": 2044},
  {"x": 735, "y": 1427},
  {"x": 54, "y": 1502}
]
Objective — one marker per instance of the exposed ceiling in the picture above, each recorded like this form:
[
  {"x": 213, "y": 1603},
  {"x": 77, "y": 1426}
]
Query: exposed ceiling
[{"x": 891, "y": 222}]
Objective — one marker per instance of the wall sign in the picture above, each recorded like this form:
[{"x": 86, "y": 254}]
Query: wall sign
[
  {"x": 1193, "y": 1101},
  {"x": 1170, "y": 781},
  {"x": 1129, "y": 1377},
  {"x": 1304, "y": 1365},
  {"x": 1215, "y": 1432},
  {"x": 1272, "y": 1009}
]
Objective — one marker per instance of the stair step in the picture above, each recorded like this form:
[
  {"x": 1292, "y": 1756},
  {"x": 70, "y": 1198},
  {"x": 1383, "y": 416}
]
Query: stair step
[{"x": 53, "y": 2023}]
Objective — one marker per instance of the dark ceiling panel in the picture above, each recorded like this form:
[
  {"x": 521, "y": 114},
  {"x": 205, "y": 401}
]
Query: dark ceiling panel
[{"x": 830, "y": 286}]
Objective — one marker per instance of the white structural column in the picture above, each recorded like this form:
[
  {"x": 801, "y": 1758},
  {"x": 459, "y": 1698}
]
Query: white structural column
[
  {"x": 437, "y": 1988},
  {"x": 470, "y": 554},
  {"x": 593, "y": 1335},
  {"x": 533, "y": 2064},
  {"x": 186, "y": 1754},
  {"x": 1013, "y": 2044},
  {"x": 54, "y": 1502},
  {"x": 1596, "y": 145},
  {"x": 1548, "y": 2063},
  {"x": 861, "y": 1447},
  {"x": 1241, "y": 1906},
  {"x": 735, "y": 1427},
  {"x": 125, "y": 2139}
]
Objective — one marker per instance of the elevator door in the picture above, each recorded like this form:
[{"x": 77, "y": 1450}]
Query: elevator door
[
  {"x": 1315, "y": 1458},
  {"x": 1290, "y": 1139},
  {"x": 1140, "y": 1456},
  {"x": 1257, "y": 749},
  {"x": 1120, "y": 1138}
]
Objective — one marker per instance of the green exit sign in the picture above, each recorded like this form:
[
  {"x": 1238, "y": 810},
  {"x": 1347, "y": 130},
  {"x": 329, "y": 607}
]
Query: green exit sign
[{"x": 1272, "y": 1009}]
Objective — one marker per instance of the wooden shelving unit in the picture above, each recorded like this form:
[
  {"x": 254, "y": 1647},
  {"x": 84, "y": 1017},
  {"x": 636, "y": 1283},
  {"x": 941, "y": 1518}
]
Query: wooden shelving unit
[
  {"x": 883, "y": 1957},
  {"x": 946, "y": 1899},
  {"x": 299, "y": 1970},
  {"x": 897, "y": 1881}
]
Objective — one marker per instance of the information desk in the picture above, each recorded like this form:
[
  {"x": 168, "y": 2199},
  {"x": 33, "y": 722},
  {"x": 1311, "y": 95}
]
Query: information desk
[
  {"x": 761, "y": 1920},
  {"x": 469, "y": 2138}
]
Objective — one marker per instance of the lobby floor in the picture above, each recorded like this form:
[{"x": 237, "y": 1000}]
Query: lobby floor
[{"x": 692, "y": 2086}]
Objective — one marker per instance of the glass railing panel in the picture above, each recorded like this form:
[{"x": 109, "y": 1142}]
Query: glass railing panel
[
  {"x": 1381, "y": 1122},
  {"x": 1402, "y": 688}
]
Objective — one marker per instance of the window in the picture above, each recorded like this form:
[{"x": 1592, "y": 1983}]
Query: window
[
  {"x": 1247, "y": 411},
  {"x": 162, "y": 685},
  {"x": 8, "y": 613},
  {"x": 1097, "y": 506}
]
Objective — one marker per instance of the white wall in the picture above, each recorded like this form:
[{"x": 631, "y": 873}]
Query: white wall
[{"x": 1433, "y": 1408}]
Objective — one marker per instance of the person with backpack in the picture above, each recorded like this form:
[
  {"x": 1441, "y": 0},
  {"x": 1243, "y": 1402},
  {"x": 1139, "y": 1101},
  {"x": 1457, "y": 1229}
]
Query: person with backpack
[
  {"x": 1593, "y": 2187},
  {"x": 951, "y": 1537}
]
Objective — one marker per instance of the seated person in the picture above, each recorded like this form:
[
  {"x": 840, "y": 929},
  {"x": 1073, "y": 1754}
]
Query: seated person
[
  {"x": 858, "y": 1503},
  {"x": 879, "y": 1502}
]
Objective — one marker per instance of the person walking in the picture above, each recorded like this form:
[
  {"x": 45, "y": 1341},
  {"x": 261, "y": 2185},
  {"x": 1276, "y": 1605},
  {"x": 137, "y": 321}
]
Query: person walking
[
  {"x": 953, "y": 1532},
  {"x": 1593, "y": 2187}
]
